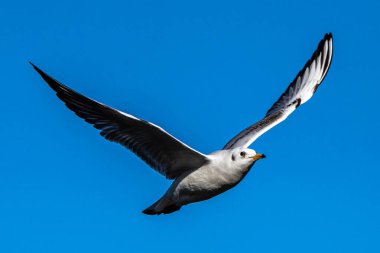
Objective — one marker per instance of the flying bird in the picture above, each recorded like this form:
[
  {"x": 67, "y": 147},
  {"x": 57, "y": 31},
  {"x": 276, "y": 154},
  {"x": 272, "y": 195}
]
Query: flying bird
[{"x": 196, "y": 176}]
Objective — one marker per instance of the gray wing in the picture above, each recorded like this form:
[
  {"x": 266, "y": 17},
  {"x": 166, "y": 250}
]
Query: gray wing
[
  {"x": 156, "y": 147},
  {"x": 299, "y": 91}
]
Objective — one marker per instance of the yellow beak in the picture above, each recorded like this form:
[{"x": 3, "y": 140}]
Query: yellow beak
[{"x": 258, "y": 157}]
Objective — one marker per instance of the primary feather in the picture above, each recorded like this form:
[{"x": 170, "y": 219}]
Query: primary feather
[
  {"x": 152, "y": 144},
  {"x": 298, "y": 92}
]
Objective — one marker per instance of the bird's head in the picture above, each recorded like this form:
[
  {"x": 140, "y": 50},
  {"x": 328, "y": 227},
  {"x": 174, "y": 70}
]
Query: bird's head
[{"x": 245, "y": 156}]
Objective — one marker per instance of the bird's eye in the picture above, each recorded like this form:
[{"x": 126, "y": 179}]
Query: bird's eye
[{"x": 242, "y": 154}]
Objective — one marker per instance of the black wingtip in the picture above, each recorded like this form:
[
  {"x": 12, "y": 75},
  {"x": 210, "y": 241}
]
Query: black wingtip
[
  {"x": 38, "y": 69},
  {"x": 54, "y": 84},
  {"x": 328, "y": 36},
  {"x": 34, "y": 66}
]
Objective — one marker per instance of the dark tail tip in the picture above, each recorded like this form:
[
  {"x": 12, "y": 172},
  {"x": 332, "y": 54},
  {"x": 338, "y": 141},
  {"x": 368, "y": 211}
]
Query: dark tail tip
[
  {"x": 166, "y": 210},
  {"x": 149, "y": 212}
]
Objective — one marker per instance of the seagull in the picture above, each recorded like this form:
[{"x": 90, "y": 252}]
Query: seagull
[{"x": 196, "y": 176}]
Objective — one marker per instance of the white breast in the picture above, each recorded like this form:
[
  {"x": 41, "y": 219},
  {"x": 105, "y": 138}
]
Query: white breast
[{"x": 217, "y": 176}]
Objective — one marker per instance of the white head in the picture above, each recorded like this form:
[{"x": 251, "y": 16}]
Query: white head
[{"x": 245, "y": 156}]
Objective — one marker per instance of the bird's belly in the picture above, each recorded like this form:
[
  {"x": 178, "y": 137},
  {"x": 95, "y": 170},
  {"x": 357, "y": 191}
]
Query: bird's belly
[{"x": 205, "y": 183}]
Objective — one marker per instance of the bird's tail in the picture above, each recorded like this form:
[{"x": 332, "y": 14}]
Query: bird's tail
[{"x": 161, "y": 206}]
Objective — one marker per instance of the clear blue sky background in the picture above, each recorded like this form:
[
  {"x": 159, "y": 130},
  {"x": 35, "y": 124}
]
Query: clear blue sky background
[{"x": 203, "y": 70}]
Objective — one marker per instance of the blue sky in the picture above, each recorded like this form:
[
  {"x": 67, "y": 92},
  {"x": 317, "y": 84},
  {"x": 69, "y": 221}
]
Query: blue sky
[{"x": 203, "y": 70}]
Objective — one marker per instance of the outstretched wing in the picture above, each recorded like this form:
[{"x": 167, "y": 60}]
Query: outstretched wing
[
  {"x": 299, "y": 91},
  {"x": 156, "y": 147}
]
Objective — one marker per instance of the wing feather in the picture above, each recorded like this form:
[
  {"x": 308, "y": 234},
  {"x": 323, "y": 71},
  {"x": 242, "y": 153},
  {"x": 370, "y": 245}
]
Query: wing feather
[
  {"x": 298, "y": 92},
  {"x": 152, "y": 144}
]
